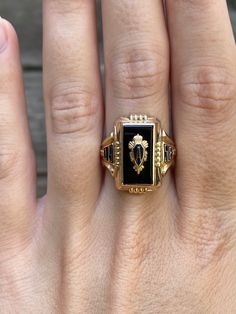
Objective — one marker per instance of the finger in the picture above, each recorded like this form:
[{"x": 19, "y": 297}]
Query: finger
[
  {"x": 136, "y": 59},
  {"x": 73, "y": 100},
  {"x": 136, "y": 70},
  {"x": 203, "y": 84},
  {"x": 17, "y": 164}
]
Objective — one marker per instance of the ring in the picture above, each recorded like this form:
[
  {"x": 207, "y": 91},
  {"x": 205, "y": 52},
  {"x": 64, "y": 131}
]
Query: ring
[{"x": 138, "y": 153}]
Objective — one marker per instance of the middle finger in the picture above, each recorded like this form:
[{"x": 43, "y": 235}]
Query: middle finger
[{"x": 73, "y": 100}]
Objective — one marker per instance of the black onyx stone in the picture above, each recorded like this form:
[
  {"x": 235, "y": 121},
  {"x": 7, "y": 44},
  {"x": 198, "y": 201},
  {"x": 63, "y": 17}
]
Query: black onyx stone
[
  {"x": 168, "y": 153},
  {"x": 108, "y": 153},
  {"x": 130, "y": 176}
]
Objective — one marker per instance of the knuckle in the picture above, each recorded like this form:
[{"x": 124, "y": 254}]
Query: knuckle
[
  {"x": 72, "y": 110},
  {"x": 61, "y": 7},
  {"x": 209, "y": 90},
  {"x": 197, "y": 4},
  {"x": 139, "y": 73}
]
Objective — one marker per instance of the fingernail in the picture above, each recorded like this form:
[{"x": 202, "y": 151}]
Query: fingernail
[{"x": 3, "y": 35}]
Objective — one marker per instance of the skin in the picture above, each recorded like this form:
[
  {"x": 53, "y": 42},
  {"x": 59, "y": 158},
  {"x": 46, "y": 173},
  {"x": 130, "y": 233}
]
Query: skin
[{"x": 86, "y": 247}]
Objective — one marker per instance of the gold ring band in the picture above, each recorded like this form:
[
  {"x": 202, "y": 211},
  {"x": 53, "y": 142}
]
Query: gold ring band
[{"x": 138, "y": 153}]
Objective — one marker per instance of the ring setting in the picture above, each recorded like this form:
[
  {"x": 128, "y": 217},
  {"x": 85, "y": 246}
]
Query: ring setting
[{"x": 138, "y": 153}]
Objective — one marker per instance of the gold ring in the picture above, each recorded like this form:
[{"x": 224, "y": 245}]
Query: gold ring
[{"x": 138, "y": 153}]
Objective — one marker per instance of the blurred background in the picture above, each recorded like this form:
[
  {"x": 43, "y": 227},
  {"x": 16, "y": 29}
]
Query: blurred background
[{"x": 26, "y": 16}]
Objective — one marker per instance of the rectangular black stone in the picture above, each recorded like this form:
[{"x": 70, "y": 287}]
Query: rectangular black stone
[
  {"x": 110, "y": 153},
  {"x": 106, "y": 153},
  {"x": 168, "y": 152},
  {"x": 130, "y": 176}
]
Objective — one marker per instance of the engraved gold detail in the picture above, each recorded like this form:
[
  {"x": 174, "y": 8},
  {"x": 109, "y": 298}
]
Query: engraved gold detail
[
  {"x": 138, "y": 152},
  {"x": 138, "y": 190}
]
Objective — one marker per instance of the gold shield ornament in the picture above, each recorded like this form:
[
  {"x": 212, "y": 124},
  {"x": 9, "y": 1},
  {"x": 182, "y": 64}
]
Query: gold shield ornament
[{"x": 138, "y": 152}]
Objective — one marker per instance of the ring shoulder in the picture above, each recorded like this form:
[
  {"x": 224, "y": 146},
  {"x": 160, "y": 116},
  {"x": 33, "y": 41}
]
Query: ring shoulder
[
  {"x": 165, "y": 152},
  {"x": 110, "y": 153}
]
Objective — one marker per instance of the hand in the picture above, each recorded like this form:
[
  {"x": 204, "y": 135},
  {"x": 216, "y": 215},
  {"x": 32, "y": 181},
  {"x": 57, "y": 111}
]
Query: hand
[{"x": 85, "y": 247}]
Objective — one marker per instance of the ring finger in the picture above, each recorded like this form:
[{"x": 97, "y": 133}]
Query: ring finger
[{"x": 136, "y": 59}]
